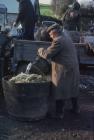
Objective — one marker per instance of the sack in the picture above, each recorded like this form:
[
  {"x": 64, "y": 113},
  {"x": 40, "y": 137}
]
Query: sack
[{"x": 39, "y": 66}]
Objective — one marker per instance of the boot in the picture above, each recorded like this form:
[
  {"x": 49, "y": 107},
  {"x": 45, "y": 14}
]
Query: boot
[{"x": 75, "y": 107}]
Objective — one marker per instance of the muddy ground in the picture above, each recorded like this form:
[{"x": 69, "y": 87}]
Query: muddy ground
[{"x": 70, "y": 128}]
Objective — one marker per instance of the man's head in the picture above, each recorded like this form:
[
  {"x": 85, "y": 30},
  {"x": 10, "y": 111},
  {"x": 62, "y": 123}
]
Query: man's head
[
  {"x": 18, "y": 0},
  {"x": 76, "y": 5},
  {"x": 54, "y": 30}
]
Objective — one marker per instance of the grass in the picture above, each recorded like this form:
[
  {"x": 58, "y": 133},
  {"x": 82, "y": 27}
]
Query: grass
[{"x": 46, "y": 10}]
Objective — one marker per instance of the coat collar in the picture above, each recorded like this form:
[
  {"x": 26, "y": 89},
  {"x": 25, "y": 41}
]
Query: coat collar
[{"x": 57, "y": 38}]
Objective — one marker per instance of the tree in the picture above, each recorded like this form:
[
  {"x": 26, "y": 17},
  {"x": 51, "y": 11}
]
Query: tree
[{"x": 60, "y": 6}]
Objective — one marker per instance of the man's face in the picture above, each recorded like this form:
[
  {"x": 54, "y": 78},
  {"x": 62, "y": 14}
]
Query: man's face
[{"x": 52, "y": 34}]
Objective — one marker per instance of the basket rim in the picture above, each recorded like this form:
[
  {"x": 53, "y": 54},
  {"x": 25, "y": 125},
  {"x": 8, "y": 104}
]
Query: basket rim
[{"x": 6, "y": 78}]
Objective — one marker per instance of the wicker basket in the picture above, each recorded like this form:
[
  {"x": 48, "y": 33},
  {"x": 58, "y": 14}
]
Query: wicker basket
[{"x": 26, "y": 101}]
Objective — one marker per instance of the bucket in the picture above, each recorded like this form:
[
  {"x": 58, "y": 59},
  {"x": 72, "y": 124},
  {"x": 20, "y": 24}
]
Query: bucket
[{"x": 26, "y": 101}]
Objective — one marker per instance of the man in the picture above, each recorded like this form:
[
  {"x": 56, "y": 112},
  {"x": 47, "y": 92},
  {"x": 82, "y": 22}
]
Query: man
[
  {"x": 26, "y": 17},
  {"x": 65, "y": 69},
  {"x": 71, "y": 19}
]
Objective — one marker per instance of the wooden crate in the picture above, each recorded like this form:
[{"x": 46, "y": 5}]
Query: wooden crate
[
  {"x": 82, "y": 51},
  {"x": 25, "y": 50}
]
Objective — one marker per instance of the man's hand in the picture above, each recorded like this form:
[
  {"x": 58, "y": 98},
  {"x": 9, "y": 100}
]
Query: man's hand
[{"x": 40, "y": 50}]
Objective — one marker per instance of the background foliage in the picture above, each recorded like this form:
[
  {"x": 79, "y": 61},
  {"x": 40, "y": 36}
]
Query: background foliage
[
  {"x": 46, "y": 10},
  {"x": 57, "y": 7}
]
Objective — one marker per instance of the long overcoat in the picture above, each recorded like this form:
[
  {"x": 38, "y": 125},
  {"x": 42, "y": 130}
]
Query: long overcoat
[
  {"x": 65, "y": 67},
  {"x": 71, "y": 22},
  {"x": 26, "y": 17}
]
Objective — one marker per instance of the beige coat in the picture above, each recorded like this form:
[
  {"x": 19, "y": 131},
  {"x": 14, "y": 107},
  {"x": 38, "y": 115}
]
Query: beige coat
[{"x": 65, "y": 68}]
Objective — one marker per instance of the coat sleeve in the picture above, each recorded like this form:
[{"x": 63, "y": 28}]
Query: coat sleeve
[
  {"x": 21, "y": 13},
  {"x": 64, "y": 17},
  {"x": 51, "y": 51}
]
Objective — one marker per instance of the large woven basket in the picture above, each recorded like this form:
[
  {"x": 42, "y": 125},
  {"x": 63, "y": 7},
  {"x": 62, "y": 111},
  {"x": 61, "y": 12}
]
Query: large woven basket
[{"x": 26, "y": 101}]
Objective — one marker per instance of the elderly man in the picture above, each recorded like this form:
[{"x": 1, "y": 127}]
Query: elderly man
[
  {"x": 26, "y": 17},
  {"x": 65, "y": 69}
]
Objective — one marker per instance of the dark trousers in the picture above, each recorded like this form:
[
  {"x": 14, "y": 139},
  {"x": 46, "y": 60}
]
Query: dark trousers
[
  {"x": 75, "y": 105},
  {"x": 28, "y": 32},
  {"x": 60, "y": 106},
  {"x": 61, "y": 103}
]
